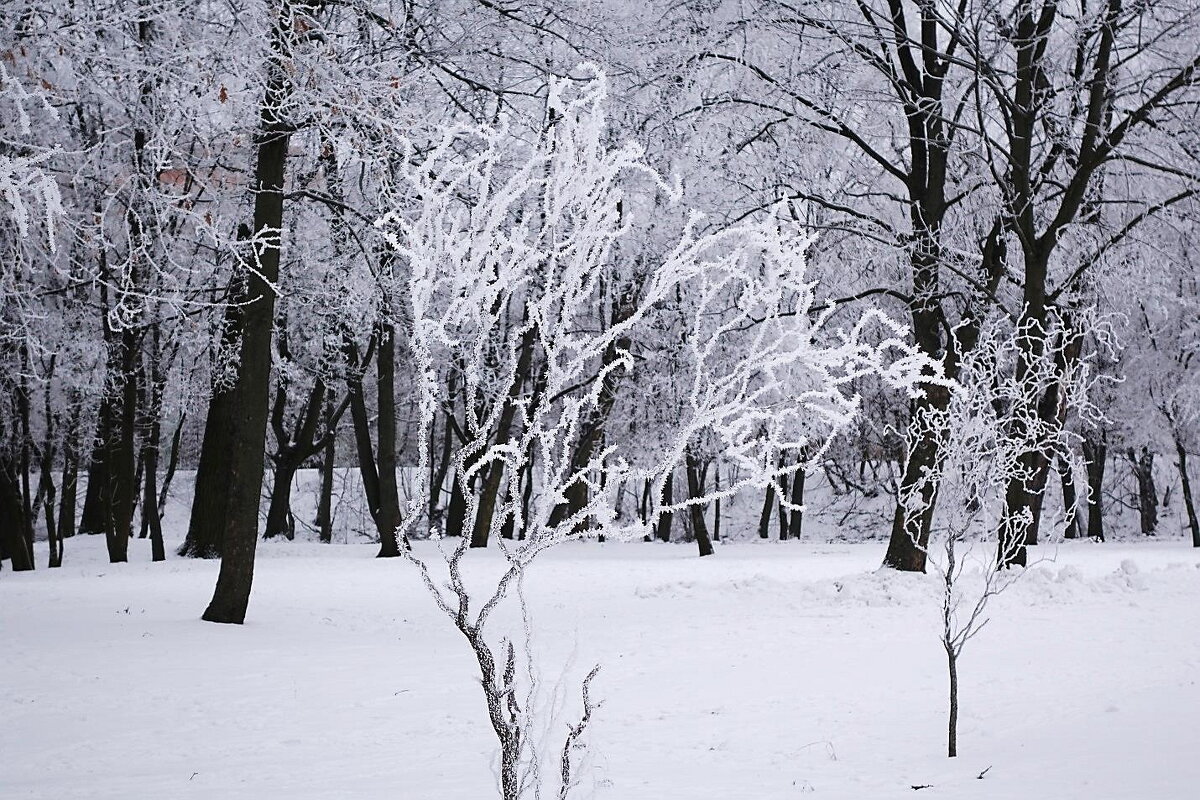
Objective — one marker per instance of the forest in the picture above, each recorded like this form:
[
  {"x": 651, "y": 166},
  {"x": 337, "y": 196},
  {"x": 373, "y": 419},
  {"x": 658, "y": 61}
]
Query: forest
[{"x": 518, "y": 329}]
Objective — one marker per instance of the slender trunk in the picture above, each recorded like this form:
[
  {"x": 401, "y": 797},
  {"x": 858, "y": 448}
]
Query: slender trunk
[
  {"x": 91, "y": 521},
  {"x": 764, "y": 517},
  {"x": 46, "y": 482},
  {"x": 1097, "y": 457},
  {"x": 232, "y": 593},
  {"x": 1070, "y": 500},
  {"x": 69, "y": 493},
  {"x": 796, "y": 517},
  {"x": 280, "y": 521},
  {"x": 910, "y": 531},
  {"x": 436, "y": 486},
  {"x": 663, "y": 522},
  {"x": 1143, "y": 471},
  {"x": 151, "y": 521},
  {"x": 1188, "y": 502},
  {"x": 494, "y": 474},
  {"x": 172, "y": 463},
  {"x": 28, "y": 507},
  {"x": 13, "y": 544},
  {"x": 205, "y": 535},
  {"x": 324, "y": 519},
  {"x": 717, "y": 505},
  {"x": 388, "y": 521},
  {"x": 952, "y": 728},
  {"x": 696, "y": 512}
]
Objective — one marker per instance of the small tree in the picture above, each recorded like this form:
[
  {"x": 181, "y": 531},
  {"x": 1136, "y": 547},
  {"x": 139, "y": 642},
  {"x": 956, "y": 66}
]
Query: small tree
[
  {"x": 982, "y": 456},
  {"x": 505, "y": 247}
]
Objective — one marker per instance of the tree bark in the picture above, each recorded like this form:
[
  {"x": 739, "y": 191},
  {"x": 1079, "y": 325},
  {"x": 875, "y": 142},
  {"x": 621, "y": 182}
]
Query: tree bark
[
  {"x": 324, "y": 520},
  {"x": 662, "y": 525},
  {"x": 696, "y": 511},
  {"x": 388, "y": 521},
  {"x": 796, "y": 516},
  {"x": 764, "y": 517},
  {"x": 1143, "y": 472},
  {"x": 240, "y": 530},
  {"x": 13, "y": 544},
  {"x": 1188, "y": 502},
  {"x": 206, "y": 531},
  {"x": 494, "y": 474},
  {"x": 1096, "y": 454},
  {"x": 1070, "y": 501}
]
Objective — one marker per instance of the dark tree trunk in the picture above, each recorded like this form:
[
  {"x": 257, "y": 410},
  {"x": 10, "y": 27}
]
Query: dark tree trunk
[
  {"x": 118, "y": 493},
  {"x": 206, "y": 531},
  {"x": 796, "y": 517},
  {"x": 716, "y": 535},
  {"x": 91, "y": 521},
  {"x": 46, "y": 479},
  {"x": 388, "y": 521},
  {"x": 493, "y": 476},
  {"x": 70, "y": 482},
  {"x": 1143, "y": 472},
  {"x": 1188, "y": 502},
  {"x": 28, "y": 507},
  {"x": 456, "y": 511},
  {"x": 280, "y": 520},
  {"x": 910, "y": 533},
  {"x": 152, "y": 430},
  {"x": 324, "y": 520},
  {"x": 172, "y": 464},
  {"x": 292, "y": 449},
  {"x": 1096, "y": 454},
  {"x": 1070, "y": 501},
  {"x": 764, "y": 517},
  {"x": 232, "y": 594},
  {"x": 662, "y": 525},
  {"x": 695, "y": 481},
  {"x": 437, "y": 484},
  {"x": 13, "y": 544}
]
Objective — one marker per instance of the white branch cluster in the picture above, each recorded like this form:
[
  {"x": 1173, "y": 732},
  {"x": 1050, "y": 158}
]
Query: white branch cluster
[{"x": 508, "y": 248}]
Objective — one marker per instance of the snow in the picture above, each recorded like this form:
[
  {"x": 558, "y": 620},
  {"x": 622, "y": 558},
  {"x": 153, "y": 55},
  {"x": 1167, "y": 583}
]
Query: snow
[{"x": 773, "y": 670}]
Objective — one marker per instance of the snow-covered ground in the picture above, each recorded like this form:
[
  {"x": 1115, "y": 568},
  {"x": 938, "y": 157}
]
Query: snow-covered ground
[{"x": 770, "y": 671}]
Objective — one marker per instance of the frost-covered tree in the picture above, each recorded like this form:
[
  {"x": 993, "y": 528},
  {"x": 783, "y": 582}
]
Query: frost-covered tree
[
  {"x": 981, "y": 457},
  {"x": 491, "y": 229}
]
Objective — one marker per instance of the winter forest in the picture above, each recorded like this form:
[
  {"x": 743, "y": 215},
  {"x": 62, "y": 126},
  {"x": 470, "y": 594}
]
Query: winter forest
[{"x": 599, "y": 399}]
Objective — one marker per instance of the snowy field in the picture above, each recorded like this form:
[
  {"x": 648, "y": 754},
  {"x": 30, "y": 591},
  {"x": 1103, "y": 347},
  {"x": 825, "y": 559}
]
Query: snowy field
[{"x": 770, "y": 671}]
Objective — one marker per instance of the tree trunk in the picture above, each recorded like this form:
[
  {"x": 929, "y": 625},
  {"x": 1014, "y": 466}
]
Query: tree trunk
[
  {"x": 662, "y": 525},
  {"x": 796, "y": 517},
  {"x": 46, "y": 480},
  {"x": 764, "y": 517},
  {"x": 696, "y": 512},
  {"x": 388, "y": 521},
  {"x": 69, "y": 490},
  {"x": 205, "y": 535},
  {"x": 716, "y": 535},
  {"x": 1096, "y": 454},
  {"x": 232, "y": 593},
  {"x": 152, "y": 428},
  {"x": 13, "y": 544},
  {"x": 118, "y": 493},
  {"x": 1143, "y": 471},
  {"x": 910, "y": 534},
  {"x": 1070, "y": 501},
  {"x": 952, "y": 728},
  {"x": 91, "y": 521},
  {"x": 324, "y": 520},
  {"x": 1188, "y": 501},
  {"x": 280, "y": 520},
  {"x": 493, "y": 476},
  {"x": 172, "y": 464}
]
